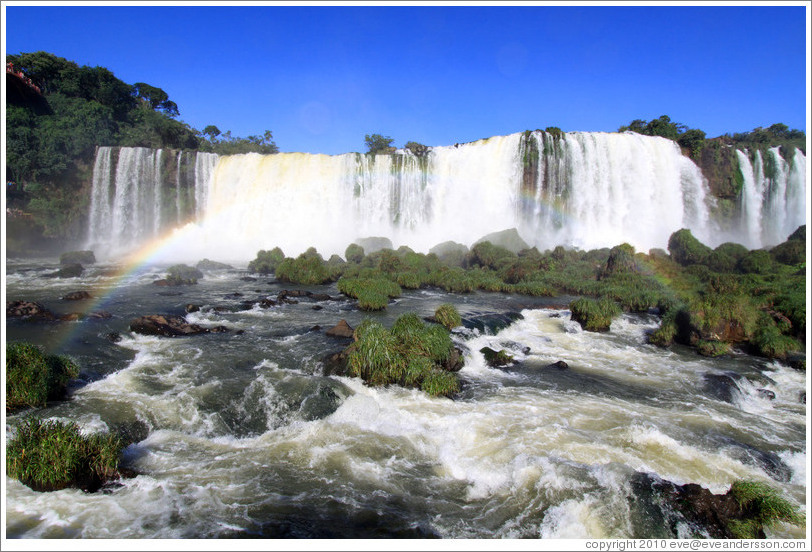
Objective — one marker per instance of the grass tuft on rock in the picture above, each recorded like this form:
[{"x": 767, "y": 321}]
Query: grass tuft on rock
[
  {"x": 52, "y": 455},
  {"x": 33, "y": 377},
  {"x": 411, "y": 354},
  {"x": 762, "y": 506},
  {"x": 594, "y": 315},
  {"x": 447, "y": 315}
]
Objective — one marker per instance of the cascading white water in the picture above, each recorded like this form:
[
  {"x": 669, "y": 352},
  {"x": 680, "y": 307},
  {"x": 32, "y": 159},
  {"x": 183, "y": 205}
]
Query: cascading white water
[
  {"x": 579, "y": 189},
  {"x": 132, "y": 202},
  {"x": 773, "y": 200},
  {"x": 600, "y": 189}
]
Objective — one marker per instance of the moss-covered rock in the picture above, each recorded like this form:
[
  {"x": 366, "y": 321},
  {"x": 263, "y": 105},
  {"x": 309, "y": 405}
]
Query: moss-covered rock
[
  {"x": 85, "y": 257},
  {"x": 594, "y": 315}
]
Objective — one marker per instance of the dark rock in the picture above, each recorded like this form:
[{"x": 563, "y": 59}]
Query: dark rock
[
  {"x": 77, "y": 257},
  {"x": 28, "y": 309},
  {"x": 248, "y": 279},
  {"x": 170, "y": 293},
  {"x": 182, "y": 275},
  {"x": 336, "y": 364},
  {"x": 170, "y": 326},
  {"x": 234, "y": 295},
  {"x": 691, "y": 503},
  {"x": 342, "y": 329},
  {"x": 320, "y": 297},
  {"x": 496, "y": 359},
  {"x": 115, "y": 337},
  {"x": 315, "y": 328},
  {"x": 76, "y": 296},
  {"x": 797, "y": 361},
  {"x": 206, "y": 264},
  {"x": 491, "y": 323},
  {"x": 68, "y": 271},
  {"x": 239, "y": 332},
  {"x": 766, "y": 394},
  {"x": 192, "y": 308},
  {"x": 70, "y": 317},
  {"x": 162, "y": 282},
  {"x": 723, "y": 386},
  {"x": 802, "y": 397},
  {"x": 455, "y": 361},
  {"x": 560, "y": 365},
  {"x": 317, "y": 307},
  {"x": 99, "y": 315}
]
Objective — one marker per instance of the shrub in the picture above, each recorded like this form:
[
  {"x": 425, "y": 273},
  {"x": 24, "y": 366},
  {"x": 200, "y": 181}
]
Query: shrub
[
  {"x": 485, "y": 254},
  {"x": 182, "y": 274},
  {"x": 266, "y": 261},
  {"x": 756, "y": 261},
  {"x": 665, "y": 334},
  {"x": 685, "y": 249},
  {"x": 791, "y": 252},
  {"x": 51, "y": 455},
  {"x": 306, "y": 269},
  {"x": 411, "y": 354},
  {"x": 447, "y": 315},
  {"x": 769, "y": 342},
  {"x": 594, "y": 315},
  {"x": 354, "y": 253},
  {"x": 34, "y": 378},
  {"x": 621, "y": 261},
  {"x": 762, "y": 505}
]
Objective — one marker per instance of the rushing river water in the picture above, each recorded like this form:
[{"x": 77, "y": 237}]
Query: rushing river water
[{"x": 241, "y": 435}]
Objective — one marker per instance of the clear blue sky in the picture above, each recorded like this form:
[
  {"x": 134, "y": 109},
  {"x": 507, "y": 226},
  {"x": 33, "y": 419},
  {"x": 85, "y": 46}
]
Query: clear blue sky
[{"x": 321, "y": 77}]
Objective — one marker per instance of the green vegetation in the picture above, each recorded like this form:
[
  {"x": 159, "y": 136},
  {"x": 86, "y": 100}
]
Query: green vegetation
[
  {"x": 51, "y": 455},
  {"x": 762, "y": 506},
  {"x": 33, "y": 377},
  {"x": 182, "y": 274},
  {"x": 266, "y": 261},
  {"x": 448, "y": 316},
  {"x": 686, "y": 249},
  {"x": 377, "y": 143},
  {"x": 594, "y": 315},
  {"x": 411, "y": 354},
  {"x": 372, "y": 293},
  {"x": 52, "y": 139},
  {"x": 307, "y": 269}
]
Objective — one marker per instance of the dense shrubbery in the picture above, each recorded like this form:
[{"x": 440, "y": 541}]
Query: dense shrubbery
[
  {"x": 594, "y": 315},
  {"x": 306, "y": 269},
  {"x": 51, "y": 455},
  {"x": 182, "y": 274},
  {"x": 372, "y": 293},
  {"x": 411, "y": 354},
  {"x": 33, "y": 378},
  {"x": 448, "y": 316},
  {"x": 266, "y": 261}
]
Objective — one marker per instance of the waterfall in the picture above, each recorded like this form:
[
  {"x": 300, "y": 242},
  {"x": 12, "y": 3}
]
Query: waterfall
[
  {"x": 578, "y": 189},
  {"x": 134, "y": 201},
  {"x": 773, "y": 199}
]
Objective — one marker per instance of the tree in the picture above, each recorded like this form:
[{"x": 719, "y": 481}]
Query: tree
[
  {"x": 377, "y": 143},
  {"x": 155, "y": 97},
  {"x": 212, "y": 132}
]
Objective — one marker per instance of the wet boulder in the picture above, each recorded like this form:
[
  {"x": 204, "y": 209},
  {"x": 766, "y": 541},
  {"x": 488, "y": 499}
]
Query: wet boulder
[
  {"x": 455, "y": 361},
  {"x": 342, "y": 329},
  {"x": 28, "y": 310},
  {"x": 76, "y": 296},
  {"x": 559, "y": 365},
  {"x": 67, "y": 271},
  {"x": 496, "y": 359},
  {"x": 77, "y": 257},
  {"x": 169, "y": 326},
  {"x": 208, "y": 265}
]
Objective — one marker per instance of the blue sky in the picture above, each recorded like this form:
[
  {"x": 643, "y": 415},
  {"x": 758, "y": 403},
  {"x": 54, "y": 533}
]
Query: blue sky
[{"x": 321, "y": 77}]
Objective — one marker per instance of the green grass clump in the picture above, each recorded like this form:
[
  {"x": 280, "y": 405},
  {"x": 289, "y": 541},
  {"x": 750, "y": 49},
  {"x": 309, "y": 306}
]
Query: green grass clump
[
  {"x": 762, "y": 505},
  {"x": 33, "y": 378},
  {"x": 594, "y": 315},
  {"x": 354, "y": 253},
  {"x": 51, "y": 455},
  {"x": 453, "y": 280},
  {"x": 306, "y": 269},
  {"x": 768, "y": 341},
  {"x": 411, "y": 354},
  {"x": 685, "y": 249},
  {"x": 447, "y": 315},
  {"x": 266, "y": 261},
  {"x": 372, "y": 293},
  {"x": 712, "y": 348},
  {"x": 182, "y": 274}
]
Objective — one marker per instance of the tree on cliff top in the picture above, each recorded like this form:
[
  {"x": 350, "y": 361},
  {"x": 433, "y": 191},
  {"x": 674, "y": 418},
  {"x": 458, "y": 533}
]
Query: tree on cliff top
[{"x": 377, "y": 143}]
